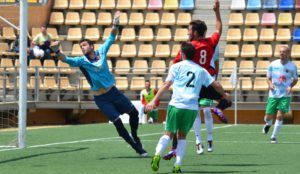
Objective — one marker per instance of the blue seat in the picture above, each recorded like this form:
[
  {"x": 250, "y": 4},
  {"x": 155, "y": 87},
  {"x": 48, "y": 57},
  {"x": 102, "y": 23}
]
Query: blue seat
[
  {"x": 254, "y": 5},
  {"x": 186, "y": 5},
  {"x": 286, "y": 5},
  {"x": 270, "y": 4},
  {"x": 296, "y": 36}
]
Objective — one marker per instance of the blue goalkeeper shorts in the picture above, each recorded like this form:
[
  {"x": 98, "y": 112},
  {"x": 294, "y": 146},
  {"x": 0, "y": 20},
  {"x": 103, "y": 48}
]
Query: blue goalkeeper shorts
[{"x": 113, "y": 103}]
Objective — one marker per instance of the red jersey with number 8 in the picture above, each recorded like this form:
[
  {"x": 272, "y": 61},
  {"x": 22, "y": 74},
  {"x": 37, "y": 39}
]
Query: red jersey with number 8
[{"x": 205, "y": 50}]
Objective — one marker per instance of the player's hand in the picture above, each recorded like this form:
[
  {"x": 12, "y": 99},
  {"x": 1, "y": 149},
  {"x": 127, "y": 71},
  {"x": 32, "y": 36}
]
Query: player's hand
[
  {"x": 289, "y": 90},
  {"x": 272, "y": 87},
  {"x": 216, "y": 5},
  {"x": 116, "y": 18},
  {"x": 149, "y": 107}
]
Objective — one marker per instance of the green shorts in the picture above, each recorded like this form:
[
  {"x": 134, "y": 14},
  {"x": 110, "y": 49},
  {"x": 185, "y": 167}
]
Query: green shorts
[
  {"x": 206, "y": 102},
  {"x": 275, "y": 104},
  {"x": 153, "y": 114},
  {"x": 182, "y": 119}
]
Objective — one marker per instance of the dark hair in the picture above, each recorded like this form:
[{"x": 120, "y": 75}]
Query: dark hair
[
  {"x": 86, "y": 40},
  {"x": 44, "y": 26},
  {"x": 188, "y": 50},
  {"x": 199, "y": 26},
  {"x": 147, "y": 81}
]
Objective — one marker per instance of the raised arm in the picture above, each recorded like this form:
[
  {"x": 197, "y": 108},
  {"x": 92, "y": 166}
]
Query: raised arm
[
  {"x": 218, "y": 17},
  {"x": 114, "y": 30}
]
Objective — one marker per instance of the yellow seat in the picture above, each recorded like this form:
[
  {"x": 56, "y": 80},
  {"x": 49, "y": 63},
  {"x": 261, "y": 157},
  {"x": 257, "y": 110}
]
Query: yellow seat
[
  {"x": 3, "y": 48},
  {"x": 175, "y": 50},
  {"x": 234, "y": 35},
  {"x": 145, "y": 34},
  {"x": 74, "y": 34},
  {"x": 65, "y": 84},
  {"x": 92, "y": 34},
  {"x": 260, "y": 84},
  {"x": 7, "y": 84},
  {"x": 184, "y": 18},
  {"x": 252, "y": 19},
  {"x": 296, "y": 87},
  {"x": 162, "y": 50},
  {"x": 88, "y": 18},
  {"x": 277, "y": 47},
  {"x": 33, "y": 63},
  {"x": 152, "y": 19},
  {"x": 228, "y": 66},
  {"x": 92, "y": 5},
  {"x": 156, "y": 82},
  {"x": 246, "y": 83},
  {"x": 232, "y": 50},
  {"x": 265, "y": 50},
  {"x": 106, "y": 33},
  {"x": 295, "y": 53},
  {"x": 104, "y": 18},
  {"x": 76, "y": 4},
  {"x": 297, "y": 19},
  {"x": 283, "y": 35},
  {"x": 109, "y": 65},
  {"x": 124, "y": 4},
  {"x": 8, "y": 64},
  {"x": 167, "y": 19},
  {"x": 122, "y": 83},
  {"x": 145, "y": 50},
  {"x": 181, "y": 34},
  {"x": 65, "y": 68},
  {"x": 137, "y": 83},
  {"x": 128, "y": 34},
  {"x": 246, "y": 66},
  {"x": 114, "y": 51},
  {"x": 122, "y": 66},
  {"x": 248, "y": 50},
  {"x": 250, "y": 34},
  {"x": 171, "y": 5},
  {"x": 163, "y": 34},
  {"x": 49, "y": 66},
  {"x": 49, "y": 83},
  {"x": 84, "y": 85},
  {"x": 285, "y": 19},
  {"x": 139, "y": 4},
  {"x": 123, "y": 18},
  {"x": 136, "y": 19},
  {"x": 140, "y": 66},
  {"x": 267, "y": 34},
  {"x": 262, "y": 66},
  {"x": 226, "y": 85},
  {"x": 76, "y": 50},
  {"x": 9, "y": 33},
  {"x": 128, "y": 50},
  {"x": 107, "y": 4},
  {"x": 158, "y": 66},
  {"x": 56, "y": 18},
  {"x": 31, "y": 84},
  {"x": 60, "y": 4},
  {"x": 54, "y": 33},
  {"x": 236, "y": 19}
]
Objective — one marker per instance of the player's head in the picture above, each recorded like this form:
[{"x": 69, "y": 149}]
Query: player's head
[
  {"x": 44, "y": 29},
  {"x": 86, "y": 46},
  {"x": 284, "y": 53},
  {"x": 147, "y": 84},
  {"x": 197, "y": 28},
  {"x": 187, "y": 51}
]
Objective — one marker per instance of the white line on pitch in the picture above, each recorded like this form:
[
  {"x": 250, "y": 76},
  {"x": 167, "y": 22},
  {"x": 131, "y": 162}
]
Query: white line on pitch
[{"x": 286, "y": 133}]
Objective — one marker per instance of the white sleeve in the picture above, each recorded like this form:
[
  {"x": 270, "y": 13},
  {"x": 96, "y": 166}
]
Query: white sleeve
[{"x": 172, "y": 74}]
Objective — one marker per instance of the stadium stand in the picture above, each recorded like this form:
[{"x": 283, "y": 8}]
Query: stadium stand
[
  {"x": 108, "y": 4},
  {"x": 268, "y": 19},
  {"x": 283, "y": 35},
  {"x": 123, "y": 5},
  {"x": 60, "y": 4},
  {"x": 137, "y": 83},
  {"x": 72, "y": 18},
  {"x": 56, "y": 18},
  {"x": 254, "y": 5},
  {"x": 228, "y": 66},
  {"x": 296, "y": 35},
  {"x": 139, "y": 4},
  {"x": 146, "y": 34},
  {"x": 183, "y": 18},
  {"x": 92, "y": 34},
  {"x": 297, "y": 6},
  {"x": 186, "y": 5},
  {"x": 74, "y": 34},
  {"x": 246, "y": 66},
  {"x": 234, "y": 35},
  {"x": 262, "y": 66},
  {"x": 252, "y": 19},
  {"x": 128, "y": 50},
  {"x": 92, "y": 5},
  {"x": 155, "y": 4},
  {"x": 145, "y": 50},
  {"x": 140, "y": 66},
  {"x": 158, "y": 66},
  {"x": 104, "y": 18},
  {"x": 76, "y": 4},
  {"x": 295, "y": 53},
  {"x": 264, "y": 50},
  {"x": 286, "y": 5},
  {"x": 136, "y": 19},
  {"x": 122, "y": 66},
  {"x": 88, "y": 18},
  {"x": 122, "y": 83},
  {"x": 236, "y": 19},
  {"x": 267, "y": 34},
  {"x": 250, "y": 34},
  {"x": 167, "y": 19},
  {"x": 270, "y": 4},
  {"x": 285, "y": 19},
  {"x": 238, "y": 5}
]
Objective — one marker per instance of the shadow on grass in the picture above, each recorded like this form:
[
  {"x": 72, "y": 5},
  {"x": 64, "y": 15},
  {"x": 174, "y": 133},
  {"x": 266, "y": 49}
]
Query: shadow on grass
[
  {"x": 233, "y": 165},
  {"x": 40, "y": 154},
  {"x": 220, "y": 172},
  {"x": 124, "y": 157}
]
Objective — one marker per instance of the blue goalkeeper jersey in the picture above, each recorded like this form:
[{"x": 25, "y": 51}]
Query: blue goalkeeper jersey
[{"x": 95, "y": 70}]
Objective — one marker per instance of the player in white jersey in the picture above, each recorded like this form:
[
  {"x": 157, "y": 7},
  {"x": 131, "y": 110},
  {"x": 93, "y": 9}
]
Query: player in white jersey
[
  {"x": 282, "y": 76},
  {"x": 187, "y": 78}
]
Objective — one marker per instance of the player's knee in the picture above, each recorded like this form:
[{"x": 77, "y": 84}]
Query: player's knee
[
  {"x": 207, "y": 113},
  {"x": 133, "y": 112}
]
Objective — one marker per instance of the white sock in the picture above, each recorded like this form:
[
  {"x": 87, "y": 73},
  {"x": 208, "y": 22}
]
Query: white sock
[
  {"x": 197, "y": 127},
  {"x": 141, "y": 114},
  {"x": 277, "y": 127},
  {"x": 180, "y": 151},
  {"x": 208, "y": 123},
  {"x": 268, "y": 122},
  {"x": 162, "y": 144}
]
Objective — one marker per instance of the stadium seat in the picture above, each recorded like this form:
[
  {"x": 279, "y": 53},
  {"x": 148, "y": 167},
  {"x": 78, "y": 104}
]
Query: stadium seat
[
  {"x": 88, "y": 18},
  {"x": 145, "y": 50},
  {"x": 123, "y": 18},
  {"x": 74, "y": 34},
  {"x": 226, "y": 85},
  {"x": 106, "y": 33},
  {"x": 286, "y": 5},
  {"x": 158, "y": 66},
  {"x": 236, "y": 19},
  {"x": 254, "y": 5},
  {"x": 137, "y": 83},
  {"x": 152, "y": 19},
  {"x": 92, "y": 5},
  {"x": 162, "y": 50},
  {"x": 295, "y": 53},
  {"x": 270, "y": 4},
  {"x": 146, "y": 34},
  {"x": 49, "y": 66},
  {"x": 72, "y": 18},
  {"x": 250, "y": 34},
  {"x": 296, "y": 36},
  {"x": 8, "y": 64},
  {"x": 260, "y": 84},
  {"x": 175, "y": 50},
  {"x": 76, "y": 51},
  {"x": 3, "y": 48},
  {"x": 252, "y": 19},
  {"x": 6, "y": 80},
  {"x": 234, "y": 35},
  {"x": 60, "y": 4},
  {"x": 136, "y": 19},
  {"x": 296, "y": 87},
  {"x": 123, "y": 5},
  {"x": 8, "y": 33},
  {"x": 283, "y": 35},
  {"x": 76, "y": 4},
  {"x": 297, "y": 63},
  {"x": 238, "y": 5},
  {"x": 49, "y": 83},
  {"x": 186, "y": 5},
  {"x": 167, "y": 19},
  {"x": 262, "y": 66},
  {"x": 139, "y": 4},
  {"x": 277, "y": 47},
  {"x": 33, "y": 63},
  {"x": 140, "y": 66},
  {"x": 248, "y": 50},
  {"x": 128, "y": 34},
  {"x": 285, "y": 19},
  {"x": 155, "y": 4},
  {"x": 246, "y": 66},
  {"x": 268, "y": 19},
  {"x": 107, "y": 4},
  {"x": 109, "y": 65},
  {"x": 156, "y": 82},
  {"x": 246, "y": 83},
  {"x": 228, "y": 66},
  {"x": 297, "y": 19},
  {"x": 65, "y": 68},
  {"x": 122, "y": 66},
  {"x": 31, "y": 84},
  {"x": 64, "y": 83},
  {"x": 163, "y": 34},
  {"x": 56, "y": 18},
  {"x": 183, "y": 18},
  {"x": 264, "y": 50},
  {"x": 35, "y": 31},
  {"x": 114, "y": 51},
  {"x": 128, "y": 50},
  {"x": 297, "y": 6},
  {"x": 181, "y": 34},
  {"x": 121, "y": 83},
  {"x": 84, "y": 85},
  {"x": 267, "y": 34},
  {"x": 232, "y": 50},
  {"x": 171, "y": 5},
  {"x": 92, "y": 34},
  {"x": 104, "y": 18}
]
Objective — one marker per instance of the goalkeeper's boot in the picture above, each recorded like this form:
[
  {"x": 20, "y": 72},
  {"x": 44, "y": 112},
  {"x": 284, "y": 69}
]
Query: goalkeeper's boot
[
  {"x": 170, "y": 154},
  {"x": 219, "y": 114},
  {"x": 200, "y": 148},
  {"x": 155, "y": 162},
  {"x": 177, "y": 169},
  {"x": 266, "y": 129},
  {"x": 210, "y": 146},
  {"x": 273, "y": 140}
]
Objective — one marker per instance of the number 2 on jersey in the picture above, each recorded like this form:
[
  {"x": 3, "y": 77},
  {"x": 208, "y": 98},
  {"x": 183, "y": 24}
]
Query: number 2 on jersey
[
  {"x": 202, "y": 59},
  {"x": 191, "y": 79}
]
